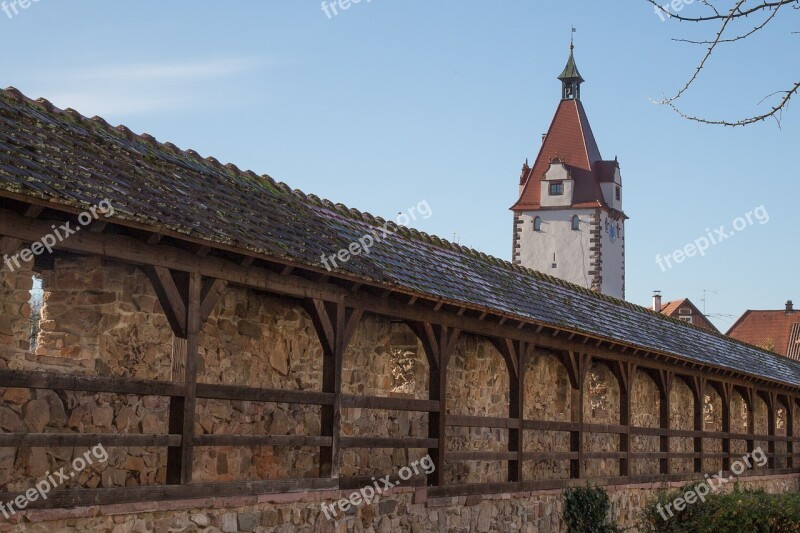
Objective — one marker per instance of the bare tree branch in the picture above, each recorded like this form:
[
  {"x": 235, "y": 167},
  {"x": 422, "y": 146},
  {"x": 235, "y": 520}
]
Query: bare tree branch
[
  {"x": 740, "y": 9},
  {"x": 776, "y": 112}
]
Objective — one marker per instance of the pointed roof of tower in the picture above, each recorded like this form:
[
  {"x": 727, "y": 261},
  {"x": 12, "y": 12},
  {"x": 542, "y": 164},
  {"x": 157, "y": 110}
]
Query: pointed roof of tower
[
  {"x": 571, "y": 70},
  {"x": 571, "y": 141}
]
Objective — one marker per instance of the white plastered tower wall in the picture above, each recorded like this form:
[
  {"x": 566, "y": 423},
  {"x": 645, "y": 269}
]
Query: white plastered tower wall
[{"x": 556, "y": 239}]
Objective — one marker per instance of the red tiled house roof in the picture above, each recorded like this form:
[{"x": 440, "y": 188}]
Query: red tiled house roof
[
  {"x": 778, "y": 329},
  {"x": 672, "y": 309}
]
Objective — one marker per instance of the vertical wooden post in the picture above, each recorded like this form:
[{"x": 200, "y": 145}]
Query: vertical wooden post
[
  {"x": 516, "y": 354},
  {"x": 790, "y": 447},
  {"x": 180, "y": 297},
  {"x": 749, "y": 397},
  {"x": 699, "y": 386},
  {"x": 335, "y": 325},
  {"x": 625, "y": 373},
  {"x": 665, "y": 380},
  {"x": 726, "y": 392},
  {"x": 438, "y": 343},
  {"x": 771, "y": 399},
  {"x": 578, "y": 365}
]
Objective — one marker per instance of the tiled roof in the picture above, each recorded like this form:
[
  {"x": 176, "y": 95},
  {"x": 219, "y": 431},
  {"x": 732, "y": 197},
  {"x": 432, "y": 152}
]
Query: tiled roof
[
  {"x": 698, "y": 318},
  {"x": 569, "y": 139},
  {"x": 793, "y": 349},
  {"x": 67, "y": 159},
  {"x": 762, "y": 328}
]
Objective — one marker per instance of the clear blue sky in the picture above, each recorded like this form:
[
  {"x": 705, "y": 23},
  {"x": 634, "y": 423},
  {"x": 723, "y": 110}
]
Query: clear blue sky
[{"x": 393, "y": 102}]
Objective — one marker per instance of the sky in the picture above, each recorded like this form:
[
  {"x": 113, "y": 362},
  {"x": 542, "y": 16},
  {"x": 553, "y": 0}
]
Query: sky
[{"x": 389, "y": 103}]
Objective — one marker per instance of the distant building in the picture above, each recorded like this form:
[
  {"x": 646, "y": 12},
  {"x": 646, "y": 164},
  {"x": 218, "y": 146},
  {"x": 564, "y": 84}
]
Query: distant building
[
  {"x": 778, "y": 331},
  {"x": 683, "y": 310},
  {"x": 568, "y": 220}
]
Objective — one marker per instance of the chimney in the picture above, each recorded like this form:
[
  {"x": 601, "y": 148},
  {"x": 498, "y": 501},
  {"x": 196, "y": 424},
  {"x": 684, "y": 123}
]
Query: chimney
[
  {"x": 789, "y": 307},
  {"x": 657, "y": 301}
]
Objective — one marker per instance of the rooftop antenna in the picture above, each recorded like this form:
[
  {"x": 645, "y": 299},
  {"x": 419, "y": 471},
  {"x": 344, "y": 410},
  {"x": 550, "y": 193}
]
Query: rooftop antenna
[{"x": 705, "y": 297}]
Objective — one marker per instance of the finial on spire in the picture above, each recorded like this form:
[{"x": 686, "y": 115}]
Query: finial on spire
[{"x": 571, "y": 79}]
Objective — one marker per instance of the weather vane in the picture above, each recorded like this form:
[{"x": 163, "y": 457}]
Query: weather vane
[{"x": 572, "y": 38}]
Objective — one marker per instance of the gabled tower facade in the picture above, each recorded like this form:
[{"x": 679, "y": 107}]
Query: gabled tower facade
[{"x": 568, "y": 219}]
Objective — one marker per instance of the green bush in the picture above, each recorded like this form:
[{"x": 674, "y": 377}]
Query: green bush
[
  {"x": 587, "y": 510},
  {"x": 746, "y": 512}
]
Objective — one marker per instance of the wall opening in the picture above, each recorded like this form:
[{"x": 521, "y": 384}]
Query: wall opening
[{"x": 36, "y": 303}]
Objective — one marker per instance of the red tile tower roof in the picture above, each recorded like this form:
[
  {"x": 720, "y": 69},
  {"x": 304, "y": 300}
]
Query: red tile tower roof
[{"x": 571, "y": 141}]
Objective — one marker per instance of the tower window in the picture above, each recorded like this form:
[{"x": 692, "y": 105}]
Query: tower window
[
  {"x": 556, "y": 189},
  {"x": 619, "y": 194},
  {"x": 537, "y": 224},
  {"x": 576, "y": 223}
]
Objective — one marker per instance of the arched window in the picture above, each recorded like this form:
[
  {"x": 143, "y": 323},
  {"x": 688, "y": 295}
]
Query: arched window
[
  {"x": 537, "y": 224},
  {"x": 576, "y": 223}
]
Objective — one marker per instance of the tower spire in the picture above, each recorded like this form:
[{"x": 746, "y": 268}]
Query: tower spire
[{"x": 570, "y": 78}]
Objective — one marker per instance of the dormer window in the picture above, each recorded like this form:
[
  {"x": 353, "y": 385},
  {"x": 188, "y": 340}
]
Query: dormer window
[
  {"x": 576, "y": 223},
  {"x": 556, "y": 189},
  {"x": 537, "y": 224}
]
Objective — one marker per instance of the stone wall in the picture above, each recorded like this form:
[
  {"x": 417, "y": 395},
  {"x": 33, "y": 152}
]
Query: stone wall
[
  {"x": 646, "y": 400},
  {"x": 601, "y": 406},
  {"x": 102, "y": 318},
  {"x": 712, "y": 421},
  {"x": 681, "y": 403},
  {"x": 548, "y": 397},
  {"x": 403, "y": 509},
  {"x": 477, "y": 385}
]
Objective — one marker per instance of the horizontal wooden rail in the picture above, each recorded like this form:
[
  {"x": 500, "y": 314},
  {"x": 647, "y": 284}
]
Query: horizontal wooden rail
[
  {"x": 481, "y": 422},
  {"x": 57, "y": 440},
  {"x": 481, "y": 456},
  {"x": 390, "y": 404},
  {"x": 66, "y": 499},
  {"x": 356, "y": 482},
  {"x": 58, "y": 381},
  {"x": 262, "y": 440},
  {"x": 387, "y": 442},
  {"x": 253, "y": 394}
]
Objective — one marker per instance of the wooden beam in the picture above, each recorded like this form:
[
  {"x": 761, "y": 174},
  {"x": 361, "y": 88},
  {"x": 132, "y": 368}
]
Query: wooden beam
[
  {"x": 296, "y": 441},
  {"x": 439, "y": 342},
  {"x": 61, "y": 381},
  {"x": 33, "y": 211},
  {"x": 213, "y": 291},
  {"x": 61, "y": 440},
  {"x": 170, "y": 298},
  {"x": 335, "y": 325},
  {"x": 255, "y": 394},
  {"x": 182, "y": 410}
]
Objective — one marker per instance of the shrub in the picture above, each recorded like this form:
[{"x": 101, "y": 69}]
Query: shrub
[
  {"x": 587, "y": 510},
  {"x": 747, "y": 512}
]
